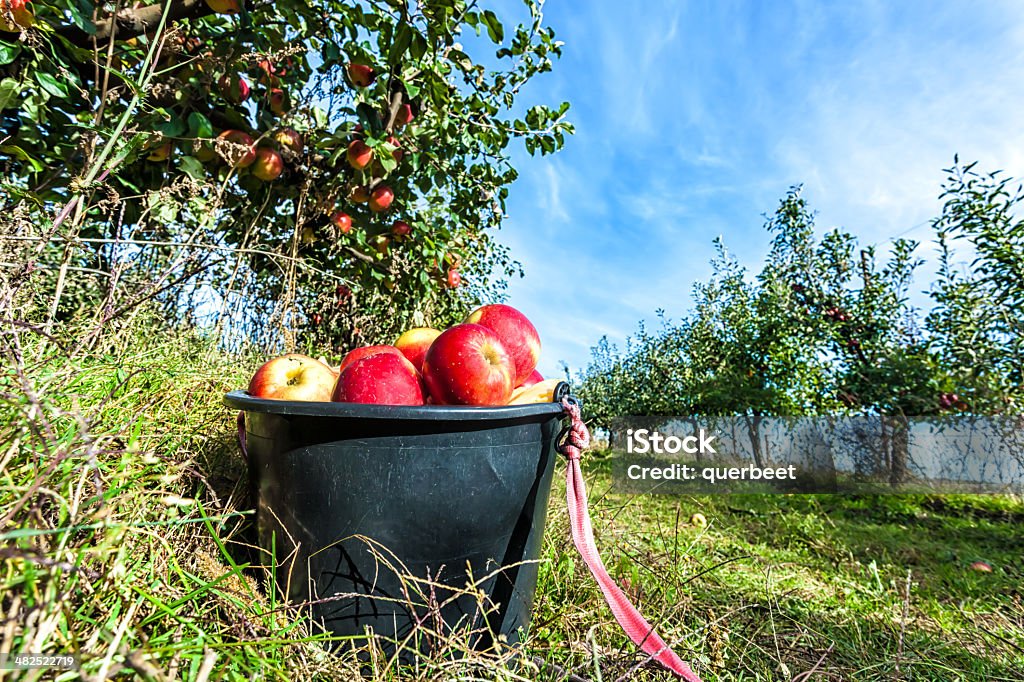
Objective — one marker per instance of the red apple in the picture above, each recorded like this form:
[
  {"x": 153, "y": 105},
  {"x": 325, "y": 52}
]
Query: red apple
[
  {"x": 367, "y": 351},
  {"x": 233, "y": 89},
  {"x": 516, "y": 333},
  {"x": 397, "y": 153},
  {"x": 359, "y": 155},
  {"x": 342, "y": 221},
  {"x": 414, "y": 344},
  {"x": 381, "y": 198},
  {"x": 400, "y": 228},
  {"x": 382, "y": 378},
  {"x": 268, "y": 165},
  {"x": 468, "y": 365},
  {"x": 269, "y": 76},
  {"x": 224, "y": 6},
  {"x": 293, "y": 377},
  {"x": 382, "y": 248},
  {"x": 361, "y": 75},
  {"x": 454, "y": 278},
  {"x": 534, "y": 378},
  {"x": 360, "y": 194},
  {"x": 289, "y": 139},
  {"x": 278, "y": 101},
  {"x": 342, "y": 292},
  {"x": 404, "y": 115},
  {"x": 981, "y": 567},
  {"x": 239, "y": 150},
  {"x": 19, "y": 12}
]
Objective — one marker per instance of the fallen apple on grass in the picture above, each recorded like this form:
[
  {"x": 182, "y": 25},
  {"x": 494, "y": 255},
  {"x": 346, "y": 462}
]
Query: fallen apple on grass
[{"x": 293, "y": 377}]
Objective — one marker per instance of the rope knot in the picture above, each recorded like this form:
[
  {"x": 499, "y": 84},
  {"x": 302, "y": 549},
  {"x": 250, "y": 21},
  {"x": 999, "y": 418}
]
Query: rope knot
[{"x": 575, "y": 438}]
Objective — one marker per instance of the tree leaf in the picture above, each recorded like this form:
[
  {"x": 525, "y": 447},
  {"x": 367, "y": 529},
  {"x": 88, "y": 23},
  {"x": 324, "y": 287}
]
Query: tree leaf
[
  {"x": 199, "y": 125},
  {"x": 9, "y": 91},
  {"x": 51, "y": 85},
  {"x": 8, "y": 52},
  {"x": 495, "y": 30}
]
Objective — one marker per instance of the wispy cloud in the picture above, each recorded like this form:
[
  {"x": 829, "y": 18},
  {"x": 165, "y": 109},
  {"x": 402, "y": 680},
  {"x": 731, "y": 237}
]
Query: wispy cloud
[{"x": 694, "y": 118}]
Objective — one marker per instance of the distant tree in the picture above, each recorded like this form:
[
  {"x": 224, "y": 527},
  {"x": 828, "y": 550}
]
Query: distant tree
[{"x": 976, "y": 325}]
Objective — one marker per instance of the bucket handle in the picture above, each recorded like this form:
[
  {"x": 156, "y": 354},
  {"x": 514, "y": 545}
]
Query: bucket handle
[
  {"x": 573, "y": 439},
  {"x": 241, "y": 435}
]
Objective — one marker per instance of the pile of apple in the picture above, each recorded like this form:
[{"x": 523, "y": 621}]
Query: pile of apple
[{"x": 490, "y": 359}]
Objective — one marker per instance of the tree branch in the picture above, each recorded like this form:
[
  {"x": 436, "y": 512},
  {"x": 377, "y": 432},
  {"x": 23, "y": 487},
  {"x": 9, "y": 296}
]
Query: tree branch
[{"x": 133, "y": 22}]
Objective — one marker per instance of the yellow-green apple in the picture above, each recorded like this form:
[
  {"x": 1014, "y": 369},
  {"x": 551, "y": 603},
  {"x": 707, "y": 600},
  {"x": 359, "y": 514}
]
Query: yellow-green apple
[
  {"x": 365, "y": 352},
  {"x": 381, "y": 198},
  {"x": 233, "y": 89},
  {"x": 160, "y": 152},
  {"x": 383, "y": 378},
  {"x": 293, "y": 377},
  {"x": 360, "y": 194},
  {"x": 278, "y": 101},
  {"x": 361, "y": 75},
  {"x": 454, "y": 278},
  {"x": 414, "y": 344},
  {"x": 382, "y": 245},
  {"x": 534, "y": 378},
  {"x": 239, "y": 150},
  {"x": 224, "y": 6},
  {"x": 268, "y": 165},
  {"x": 359, "y": 155},
  {"x": 541, "y": 392},
  {"x": 342, "y": 221},
  {"x": 203, "y": 151},
  {"x": 516, "y": 333},
  {"x": 289, "y": 139},
  {"x": 404, "y": 115},
  {"x": 468, "y": 365},
  {"x": 400, "y": 228},
  {"x": 15, "y": 15}
]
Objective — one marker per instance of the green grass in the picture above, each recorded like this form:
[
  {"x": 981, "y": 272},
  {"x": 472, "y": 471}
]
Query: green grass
[{"x": 123, "y": 513}]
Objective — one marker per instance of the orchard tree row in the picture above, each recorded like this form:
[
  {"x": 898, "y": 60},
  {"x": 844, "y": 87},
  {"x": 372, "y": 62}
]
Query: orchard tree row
[
  {"x": 828, "y": 327},
  {"x": 343, "y": 164}
]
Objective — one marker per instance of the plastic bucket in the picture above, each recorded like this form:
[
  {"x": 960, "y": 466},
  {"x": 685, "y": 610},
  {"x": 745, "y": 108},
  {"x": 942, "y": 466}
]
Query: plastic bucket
[{"x": 378, "y": 515}]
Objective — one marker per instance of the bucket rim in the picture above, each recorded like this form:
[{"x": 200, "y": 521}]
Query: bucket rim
[{"x": 241, "y": 400}]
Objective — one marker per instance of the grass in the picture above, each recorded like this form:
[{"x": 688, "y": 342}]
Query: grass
[{"x": 123, "y": 524}]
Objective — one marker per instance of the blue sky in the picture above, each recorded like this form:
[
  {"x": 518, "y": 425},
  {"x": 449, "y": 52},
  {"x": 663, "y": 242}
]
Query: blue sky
[{"x": 694, "y": 118}]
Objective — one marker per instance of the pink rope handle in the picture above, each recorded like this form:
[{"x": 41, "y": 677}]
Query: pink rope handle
[{"x": 577, "y": 438}]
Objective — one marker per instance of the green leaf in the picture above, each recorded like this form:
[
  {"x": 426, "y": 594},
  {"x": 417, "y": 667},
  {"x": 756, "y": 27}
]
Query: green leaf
[
  {"x": 495, "y": 30},
  {"x": 192, "y": 166},
  {"x": 403, "y": 38},
  {"x": 419, "y": 46},
  {"x": 9, "y": 90},
  {"x": 19, "y": 153},
  {"x": 173, "y": 128},
  {"x": 51, "y": 85},
  {"x": 8, "y": 52},
  {"x": 199, "y": 125}
]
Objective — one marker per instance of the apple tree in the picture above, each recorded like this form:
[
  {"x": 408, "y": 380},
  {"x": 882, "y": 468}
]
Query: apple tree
[{"x": 331, "y": 168}]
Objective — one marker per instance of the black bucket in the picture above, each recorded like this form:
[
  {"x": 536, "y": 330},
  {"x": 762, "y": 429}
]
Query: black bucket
[{"x": 378, "y": 515}]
